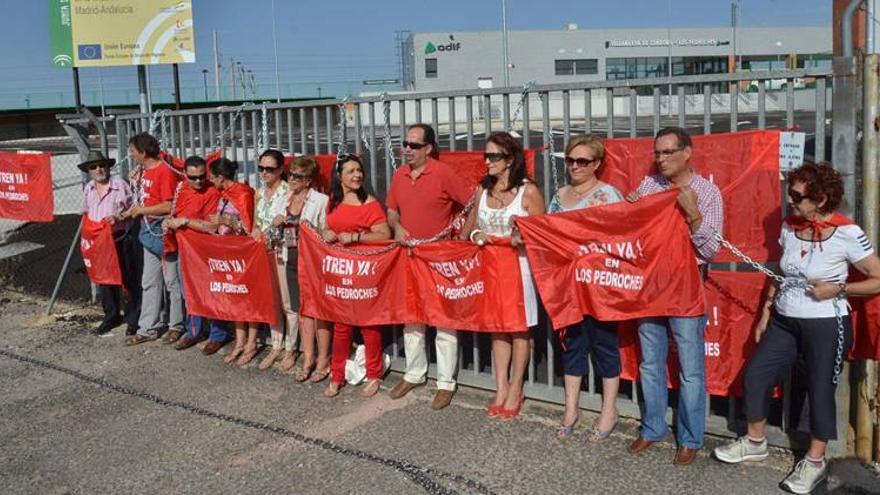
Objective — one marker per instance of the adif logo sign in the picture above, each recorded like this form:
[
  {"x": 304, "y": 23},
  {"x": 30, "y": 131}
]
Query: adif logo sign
[{"x": 452, "y": 46}]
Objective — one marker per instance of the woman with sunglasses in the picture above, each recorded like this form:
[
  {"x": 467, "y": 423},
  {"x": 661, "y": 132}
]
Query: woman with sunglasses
[
  {"x": 505, "y": 193},
  {"x": 800, "y": 318},
  {"x": 583, "y": 158},
  {"x": 354, "y": 216},
  {"x": 271, "y": 202},
  {"x": 304, "y": 204}
]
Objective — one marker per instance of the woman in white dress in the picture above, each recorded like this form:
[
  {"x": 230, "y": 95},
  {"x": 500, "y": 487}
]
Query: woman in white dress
[{"x": 505, "y": 193}]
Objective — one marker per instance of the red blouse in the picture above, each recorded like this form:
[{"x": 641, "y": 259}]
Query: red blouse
[{"x": 355, "y": 218}]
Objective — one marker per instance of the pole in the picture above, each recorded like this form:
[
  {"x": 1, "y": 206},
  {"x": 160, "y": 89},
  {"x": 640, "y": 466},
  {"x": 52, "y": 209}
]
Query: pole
[
  {"x": 275, "y": 48},
  {"x": 232, "y": 75},
  {"x": 77, "y": 96},
  {"x": 101, "y": 89},
  {"x": 205, "y": 82},
  {"x": 505, "y": 47},
  {"x": 669, "y": 54},
  {"x": 149, "y": 92},
  {"x": 142, "y": 88},
  {"x": 64, "y": 268},
  {"x": 869, "y": 222},
  {"x": 734, "y": 4},
  {"x": 216, "y": 67},
  {"x": 175, "y": 71}
]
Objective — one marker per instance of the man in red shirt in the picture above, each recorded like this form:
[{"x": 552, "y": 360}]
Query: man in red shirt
[
  {"x": 156, "y": 186},
  {"x": 423, "y": 199},
  {"x": 197, "y": 199}
]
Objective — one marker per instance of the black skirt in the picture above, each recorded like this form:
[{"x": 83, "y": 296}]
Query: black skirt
[{"x": 293, "y": 278}]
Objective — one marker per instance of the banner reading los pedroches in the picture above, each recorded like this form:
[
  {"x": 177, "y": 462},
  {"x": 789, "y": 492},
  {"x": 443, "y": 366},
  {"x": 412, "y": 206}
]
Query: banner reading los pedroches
[
  {"x": 26, "y": 187},
  {"x": 228, "y": 278},
  {"x": 614, "y": 262}
]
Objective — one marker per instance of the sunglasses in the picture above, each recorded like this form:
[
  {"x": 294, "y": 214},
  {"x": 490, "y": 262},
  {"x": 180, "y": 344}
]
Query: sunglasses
[
  {"x": 271, "y": 170},
  {"x": 293, "y": 176},
  {"x": 413, "y": 146},
  {"x": 96, "y": 166},
  {"x": 580, "y": 162},
  {"x": 196, "y": 177},
  {"x": 669, "y": 152},
  {"x": 495, "y": 157},
  {"x": 796, "y": 197}
]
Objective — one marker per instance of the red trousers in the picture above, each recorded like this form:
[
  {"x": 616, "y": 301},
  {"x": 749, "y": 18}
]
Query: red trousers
[{"x": 342, "y": 334}]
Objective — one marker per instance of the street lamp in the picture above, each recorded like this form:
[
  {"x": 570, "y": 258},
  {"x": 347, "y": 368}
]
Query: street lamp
[{"x": 205, "y": 80}]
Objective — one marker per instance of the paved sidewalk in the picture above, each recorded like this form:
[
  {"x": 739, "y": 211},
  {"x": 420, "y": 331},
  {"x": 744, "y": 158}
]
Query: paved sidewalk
[{"x": 62, "y": 434}]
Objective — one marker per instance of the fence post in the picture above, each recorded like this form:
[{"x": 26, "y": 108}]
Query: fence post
[{"x": 845, "y": 100}]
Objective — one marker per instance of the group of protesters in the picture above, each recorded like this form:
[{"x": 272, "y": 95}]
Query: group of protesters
[{"x": 809, "y": 320}]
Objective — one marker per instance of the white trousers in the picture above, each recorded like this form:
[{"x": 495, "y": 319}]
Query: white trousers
[{"x": 417, "y": 355}]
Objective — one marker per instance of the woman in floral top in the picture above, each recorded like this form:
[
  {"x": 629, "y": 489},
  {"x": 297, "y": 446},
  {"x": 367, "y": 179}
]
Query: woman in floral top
[{"x": 583, "y": 157}]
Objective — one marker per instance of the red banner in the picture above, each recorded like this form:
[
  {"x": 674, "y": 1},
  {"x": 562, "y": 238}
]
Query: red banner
[
  {"x": 465, "y": 287},
  {"x": 357, "y": 289},
  {"x": 99, "y": 252},
  {"x": 614, "y": 262},
  {"x": 744, "y": 166},
  {"x": 26, "y": 187},
  {"x": 228, "y": 278},
  {"x": 450, "y": 284}
]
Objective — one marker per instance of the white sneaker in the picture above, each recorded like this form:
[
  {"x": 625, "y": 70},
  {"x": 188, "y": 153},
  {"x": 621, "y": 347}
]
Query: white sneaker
[
  {"x": 741, "y": 450},
  {"x": 805, "y": 477}
]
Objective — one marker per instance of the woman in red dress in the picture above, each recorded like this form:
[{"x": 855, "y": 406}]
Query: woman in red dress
[{"x": 354, "y": 216}]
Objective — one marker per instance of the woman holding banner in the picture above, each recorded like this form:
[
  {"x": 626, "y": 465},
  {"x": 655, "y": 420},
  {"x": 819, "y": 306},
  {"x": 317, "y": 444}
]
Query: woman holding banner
[
  {"x": 354, "y": 216},
  {"x": 583, "y": 157},
  {"x": 235, "y": 216},
  {"x": 505, "y": 193},
  {"x": 271, "y": 202},
  {"x": 807, "y": 316},
  {"x": 304, "y": 204}
]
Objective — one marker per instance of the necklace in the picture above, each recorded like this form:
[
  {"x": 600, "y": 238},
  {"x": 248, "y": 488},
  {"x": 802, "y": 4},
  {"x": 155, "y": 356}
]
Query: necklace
[{"x": 588, "y": 190}]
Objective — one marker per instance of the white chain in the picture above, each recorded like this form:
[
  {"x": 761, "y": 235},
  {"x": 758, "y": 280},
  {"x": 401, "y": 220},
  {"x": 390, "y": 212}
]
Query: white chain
[
  {"x": 341, "y": 129},
  {"x": 523, "y": 100},
  {"x": 386, "y": 111},
  {"x": 548, "y": 136},
  {"x": 264, "y": 129}
]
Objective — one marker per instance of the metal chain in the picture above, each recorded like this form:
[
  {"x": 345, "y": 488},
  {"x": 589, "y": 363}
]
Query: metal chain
[
  {"x": 264, "y": 129},
  {"x": 347, "y": 250},
  {"x": 423, "y": 477},
  {"x": 444, "y": 234},
  {"x": 341, "y": 129},
  {"x": 523, "y": 99},
  {"x": 786, "y": 286},
  {"x": 548, "y": 136},
  {"x": 229, "y": 125},
  {"x": 386, "y": 111}
]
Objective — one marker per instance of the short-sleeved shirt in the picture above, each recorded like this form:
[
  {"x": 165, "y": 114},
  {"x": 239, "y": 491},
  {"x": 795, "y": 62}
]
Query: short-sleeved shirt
[
  {"x": 827, "y": 260},
  {"x": 117, "y": 199},
  {"x": 268, "y": 208},
  {"x": 355, "y": 218},
  {"x": 192, "y": 204},
  {"x": 604, "y": 194},
  {"x": 427, "y": 204},
  {"x": 160, "y": 182}
]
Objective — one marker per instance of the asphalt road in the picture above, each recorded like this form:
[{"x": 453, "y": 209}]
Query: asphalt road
[{"x": 86, "y": 427}]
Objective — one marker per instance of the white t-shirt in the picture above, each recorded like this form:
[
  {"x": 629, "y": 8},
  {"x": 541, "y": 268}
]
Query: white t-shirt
[{"x": 828, "y": 261}]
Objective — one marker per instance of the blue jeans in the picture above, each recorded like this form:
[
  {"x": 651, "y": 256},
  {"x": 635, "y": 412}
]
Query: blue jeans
[
  {"x": 689, "y": 334},
  {"x": 219, "y": 330}
]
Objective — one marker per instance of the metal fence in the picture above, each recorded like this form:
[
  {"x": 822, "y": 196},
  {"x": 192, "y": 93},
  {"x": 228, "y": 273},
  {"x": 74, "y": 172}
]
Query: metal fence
[{"x": 544, "y": 116}]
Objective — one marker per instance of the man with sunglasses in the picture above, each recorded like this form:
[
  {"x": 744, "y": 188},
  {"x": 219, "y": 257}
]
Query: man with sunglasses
[
  {"x": 700, "y": 203},
  {"x": 424, "y": 197},
  {"x": 105, "y": 197},
  {"x": 196, "y": 199}
]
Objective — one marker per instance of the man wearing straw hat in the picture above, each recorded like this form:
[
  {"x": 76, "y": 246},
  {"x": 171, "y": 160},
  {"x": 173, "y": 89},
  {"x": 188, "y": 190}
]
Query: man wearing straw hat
[{"x": 105, "y": 197}]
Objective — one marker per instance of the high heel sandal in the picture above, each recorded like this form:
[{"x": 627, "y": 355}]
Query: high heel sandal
[
  {"x": 564, "y": 431},
  {"x": 332, "y": 389},
  {"x": 247, "y": 356},
  {"x": 508, "y": 414},
  {"x": 270, "y": 359},
  {"x": 371, "y": 387},
  {"x": 494, "y": 410},
  {"x": 597, "y": 435},
  {"x": 233, "y": 355},
  {"x": 288, "y": 360},
  {"x": 302, "y": 374},
  {"x": 319, "y": 376}
]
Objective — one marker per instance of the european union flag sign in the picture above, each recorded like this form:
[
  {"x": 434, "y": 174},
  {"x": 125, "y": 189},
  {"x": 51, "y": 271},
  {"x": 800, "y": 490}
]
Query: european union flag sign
[{"x": 89, "y": 52}]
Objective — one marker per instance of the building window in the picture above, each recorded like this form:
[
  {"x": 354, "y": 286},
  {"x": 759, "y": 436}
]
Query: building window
[
  {"x": 431, "y": 68},
  {"x": 579, "y": 66}
]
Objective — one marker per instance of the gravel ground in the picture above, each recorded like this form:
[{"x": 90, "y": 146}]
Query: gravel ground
[{"x": 65, "y": 434}]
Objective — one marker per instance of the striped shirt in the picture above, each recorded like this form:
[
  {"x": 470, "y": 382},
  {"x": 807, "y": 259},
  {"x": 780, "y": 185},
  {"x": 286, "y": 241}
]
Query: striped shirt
[
  {"x": 117, "y": 199},
  {"x": 708, "y": 202}
]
